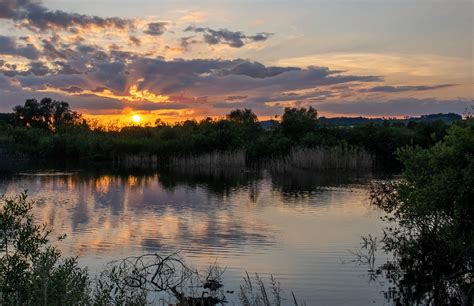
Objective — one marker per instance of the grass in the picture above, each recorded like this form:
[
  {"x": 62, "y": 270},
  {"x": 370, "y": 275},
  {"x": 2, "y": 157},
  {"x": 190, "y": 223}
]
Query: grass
[
  {"x": 254, "y": 293},
  {"x": 325, "y": 158}
]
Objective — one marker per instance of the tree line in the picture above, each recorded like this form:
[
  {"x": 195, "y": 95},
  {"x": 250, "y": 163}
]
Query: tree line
[{"x": 50, "y": 129}]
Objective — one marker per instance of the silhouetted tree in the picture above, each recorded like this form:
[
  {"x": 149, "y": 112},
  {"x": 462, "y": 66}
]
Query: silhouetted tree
[
  {"x": 243, "y": 116},
  {"x": 47, "y": 114},
  {"x": 296, "y": 122}
]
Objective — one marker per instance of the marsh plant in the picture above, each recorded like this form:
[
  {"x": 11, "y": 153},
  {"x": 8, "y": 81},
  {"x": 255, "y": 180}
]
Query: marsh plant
[
  {"x": 339, "y": 157},
  {"x": 254, "y": 292}
]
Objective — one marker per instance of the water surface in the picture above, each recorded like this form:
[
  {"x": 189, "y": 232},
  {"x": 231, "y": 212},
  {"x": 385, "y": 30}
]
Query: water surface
[{"x": 298, "y": 226}]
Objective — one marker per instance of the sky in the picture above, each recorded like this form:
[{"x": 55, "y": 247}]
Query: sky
[{"x": 177, "y": 60}]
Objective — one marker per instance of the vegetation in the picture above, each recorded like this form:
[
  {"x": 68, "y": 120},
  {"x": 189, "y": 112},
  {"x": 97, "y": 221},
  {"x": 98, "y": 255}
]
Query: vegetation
[
  {"x": 432, "y": 208},
  {"x": 46, "y": 114},
  {"x": 32, "y": 271},
  {"x": 49, "y": 129}
]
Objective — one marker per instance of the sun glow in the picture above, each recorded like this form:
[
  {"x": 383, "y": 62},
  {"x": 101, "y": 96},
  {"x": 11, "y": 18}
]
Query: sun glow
[{"x": 136, "y": 118}]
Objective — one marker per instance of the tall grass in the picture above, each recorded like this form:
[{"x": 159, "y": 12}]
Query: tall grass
[
  {"x": 254, "y": 293},
  {"x": 324, "y": 158},
  {"x": 205, "y": 163},
  {"x": 212, "y": 160}
]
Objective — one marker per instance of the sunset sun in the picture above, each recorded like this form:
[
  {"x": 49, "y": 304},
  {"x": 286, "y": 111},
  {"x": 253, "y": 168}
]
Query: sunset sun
[{"x": 136, "y": 118}]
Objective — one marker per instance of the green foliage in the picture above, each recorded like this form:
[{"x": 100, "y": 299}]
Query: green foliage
[
  {"x": 432, "y": 207},
  {"x": 32, "y": 272}
]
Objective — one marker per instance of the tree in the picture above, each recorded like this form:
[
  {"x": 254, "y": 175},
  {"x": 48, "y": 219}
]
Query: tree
[
  {"x": 246, "y": 116},
  {"x": 432, "y": 206},
  {"x": 47, "y": 114},
  {"x": 296, "y": 122},
  {"x": 245, "y": 127}
]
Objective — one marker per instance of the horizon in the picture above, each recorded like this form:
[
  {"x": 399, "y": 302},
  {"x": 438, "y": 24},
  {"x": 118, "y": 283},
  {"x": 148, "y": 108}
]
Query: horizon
[
  {"x": 138, "y": 120},
  {"x": 140, "y": 61}
]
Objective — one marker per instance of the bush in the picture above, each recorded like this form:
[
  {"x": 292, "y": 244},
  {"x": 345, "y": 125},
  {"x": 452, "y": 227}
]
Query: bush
[
  {"x": 432, "y": 208},
  {"x": 32, "y": 271}
]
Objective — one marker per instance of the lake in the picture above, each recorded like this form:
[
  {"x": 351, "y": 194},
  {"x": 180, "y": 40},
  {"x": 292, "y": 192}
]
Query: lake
[{"x": 299, "y": 226}]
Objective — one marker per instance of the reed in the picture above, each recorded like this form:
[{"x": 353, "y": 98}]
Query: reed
[
  {"x": 209, "y": 161},
  {"x": 216, "y": 162},
  {"x": 324, "y": 158}
]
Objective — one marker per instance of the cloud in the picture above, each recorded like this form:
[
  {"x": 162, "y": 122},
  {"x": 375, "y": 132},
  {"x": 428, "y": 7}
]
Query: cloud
[
  {"x": 393, "y": 89},
  {"x": 8, "y": 46},
  {"x": 156, "y": 28},
  {"x": 72, "y": 89},
  {"x": 139, "y": 81},
  {"x": 34, "y": 15},
  {"x": 65, "y": 68},
  {"x": 201, "y": 77},
  {"x": 227, "y": 37},
  {"x": 236, "y": 98},
  {"x": 396, "y": 107},
  {"x": 37, "y": 68},
  {"x": 256, "y": 70},
  {"x": 51, "y": 52},
  {"x": 135, "y": 41},
  {"x": 186, "y": 42}
]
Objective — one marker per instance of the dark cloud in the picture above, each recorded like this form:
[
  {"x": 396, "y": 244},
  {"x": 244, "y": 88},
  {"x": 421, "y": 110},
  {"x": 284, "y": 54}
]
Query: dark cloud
[
  {"x": 235, "y": 98},
  {"x": 51, "y": 52},
  {"x": 11, "y": 71},
  {"x": 65, "y": 68},
  {"x": 186, "y": 42},
  {"x": 86, "y": 49},
  {"x": 91, "y": 52},
  {"x": 392, "y": 89},
  {"x": 135, "y": 40},
  {"x": 72, "y": 89},
  {"x": 92, "y": 102},
  {"x": 398, "y": 107},
  {"x": 38, "y": 68},
  {"x": 225, "y": 36},
  {"x": 256, "y": 70},
  {"x": 280, "y": 100},
  {"x": 260, "y": 108},
  {"x": 156, "y": 28},
  {"x": 189, "y": 100},
  {"x": 35, "y": 16},
  {"x": 8, "y": 46},
  {"x": 112, "y": 75}
]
